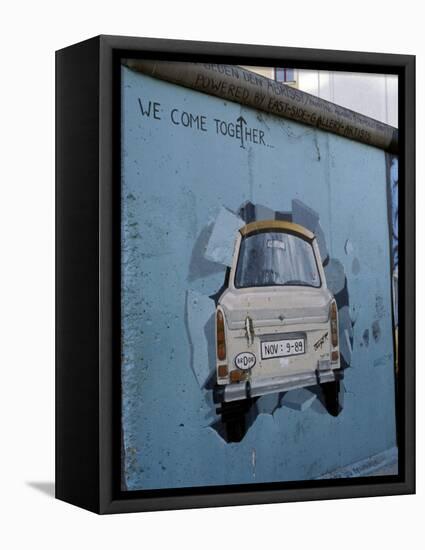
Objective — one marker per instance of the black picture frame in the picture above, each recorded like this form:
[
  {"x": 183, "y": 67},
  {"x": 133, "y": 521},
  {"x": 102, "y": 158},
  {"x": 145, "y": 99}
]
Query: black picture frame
[{"x": 87, "y": 274}]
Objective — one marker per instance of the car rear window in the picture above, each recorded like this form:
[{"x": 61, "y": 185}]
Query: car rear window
[{"x": 275, "y": 258}]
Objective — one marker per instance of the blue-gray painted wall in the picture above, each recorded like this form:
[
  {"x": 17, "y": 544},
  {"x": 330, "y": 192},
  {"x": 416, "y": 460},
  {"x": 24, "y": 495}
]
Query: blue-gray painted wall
[{"x": 175, "y": 180}]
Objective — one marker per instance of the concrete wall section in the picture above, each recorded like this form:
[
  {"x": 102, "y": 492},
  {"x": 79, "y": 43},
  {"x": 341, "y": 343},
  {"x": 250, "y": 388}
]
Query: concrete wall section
[{"x": 183, "y": 162}]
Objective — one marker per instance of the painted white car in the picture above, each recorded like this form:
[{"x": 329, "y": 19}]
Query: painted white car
[{"x": 277, "y": 322}]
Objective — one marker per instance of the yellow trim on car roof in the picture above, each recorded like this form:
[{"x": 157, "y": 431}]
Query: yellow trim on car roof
[{"x": 280, "y": 225}]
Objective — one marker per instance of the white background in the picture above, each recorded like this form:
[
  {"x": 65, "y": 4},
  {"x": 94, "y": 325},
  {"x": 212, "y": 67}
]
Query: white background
[{"x": 30, "y": 33}]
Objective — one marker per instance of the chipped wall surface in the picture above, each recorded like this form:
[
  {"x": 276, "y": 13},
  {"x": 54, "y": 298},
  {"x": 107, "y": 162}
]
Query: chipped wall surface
[{"x": 179, "y": 174}]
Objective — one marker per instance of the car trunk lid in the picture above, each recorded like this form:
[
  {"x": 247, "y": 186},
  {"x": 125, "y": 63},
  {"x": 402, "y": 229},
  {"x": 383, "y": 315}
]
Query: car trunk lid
[{"x": 275, "y": 306}]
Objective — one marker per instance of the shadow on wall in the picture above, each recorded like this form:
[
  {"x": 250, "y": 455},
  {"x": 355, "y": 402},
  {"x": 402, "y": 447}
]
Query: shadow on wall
[{"x": 212, "y": 254}]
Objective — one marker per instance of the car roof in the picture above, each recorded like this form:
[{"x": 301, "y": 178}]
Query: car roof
[{"x": 276, "y": 225}]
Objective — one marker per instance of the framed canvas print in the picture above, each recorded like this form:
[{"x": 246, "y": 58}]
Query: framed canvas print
[{"x": 235, "y": 274}]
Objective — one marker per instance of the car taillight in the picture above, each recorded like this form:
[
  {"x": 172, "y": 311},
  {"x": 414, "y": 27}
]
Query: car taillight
[
  {"x": 221, "y": 339},
  {"x": 222, "y": 371},
  {"x": 334, "y": 324}
]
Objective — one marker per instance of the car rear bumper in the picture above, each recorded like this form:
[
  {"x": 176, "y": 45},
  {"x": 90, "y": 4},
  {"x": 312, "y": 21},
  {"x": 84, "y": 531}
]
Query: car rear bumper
[{"x": 265, "y": 386}]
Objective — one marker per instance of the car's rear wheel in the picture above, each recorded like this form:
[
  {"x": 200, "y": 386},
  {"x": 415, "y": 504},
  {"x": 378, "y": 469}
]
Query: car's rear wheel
[{"x": 333, "y": 393}]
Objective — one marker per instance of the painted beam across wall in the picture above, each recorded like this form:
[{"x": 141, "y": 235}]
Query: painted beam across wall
[{"x": 188, "y": 158}]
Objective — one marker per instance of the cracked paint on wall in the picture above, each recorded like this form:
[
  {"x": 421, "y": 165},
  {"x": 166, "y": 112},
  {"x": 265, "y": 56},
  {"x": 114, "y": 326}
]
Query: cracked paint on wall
[{"x": 176, "y": 179}]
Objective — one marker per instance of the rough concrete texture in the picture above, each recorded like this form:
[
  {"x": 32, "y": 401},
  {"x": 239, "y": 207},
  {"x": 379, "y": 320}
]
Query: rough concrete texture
[
  {"x": 267, "y": 404},
  {"x": 175, "y": 180},
  {"x": 299, "y": 400},
  {"x": 346, "y": 333},
  {"x": 335, "y": 275},
  {"x": 264, "y": 213},
  {"x": 381, "y": 464},
  {"x": 306, "y": 216},
  {"x": 200, "y": 318},
  {"x": 222, "y": 239}
]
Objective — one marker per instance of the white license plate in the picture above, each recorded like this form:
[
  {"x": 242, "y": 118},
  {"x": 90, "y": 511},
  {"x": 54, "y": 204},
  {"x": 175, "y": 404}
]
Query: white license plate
[{"x": 282, "y": 348}]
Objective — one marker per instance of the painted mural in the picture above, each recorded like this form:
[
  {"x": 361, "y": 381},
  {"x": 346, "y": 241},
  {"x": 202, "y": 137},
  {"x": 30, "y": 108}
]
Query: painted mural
[
  {"x": 392, "y": 161},
  {"x": 257, "y": 295}
]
